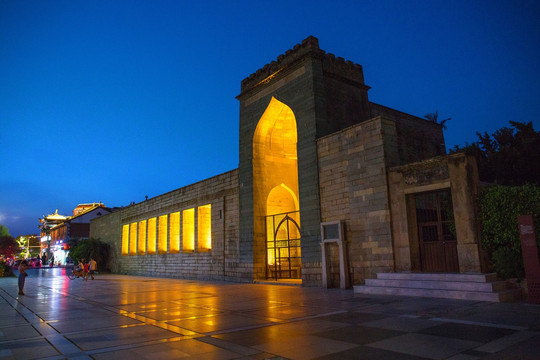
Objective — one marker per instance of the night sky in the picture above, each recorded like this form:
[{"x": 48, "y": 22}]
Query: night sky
[{"x": 114, "y": 100}]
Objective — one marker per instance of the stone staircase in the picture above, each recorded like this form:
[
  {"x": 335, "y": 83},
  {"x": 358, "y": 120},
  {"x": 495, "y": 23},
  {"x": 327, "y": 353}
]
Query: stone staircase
[{"x": 479, "y": 287}]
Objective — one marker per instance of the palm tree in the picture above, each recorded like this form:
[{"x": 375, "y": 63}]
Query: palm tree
[{"x": 434, "y": 117}]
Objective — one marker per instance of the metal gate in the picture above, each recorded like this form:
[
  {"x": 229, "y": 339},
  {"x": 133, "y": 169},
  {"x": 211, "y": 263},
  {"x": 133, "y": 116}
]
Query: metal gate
[{"x": 283, "y": 254}]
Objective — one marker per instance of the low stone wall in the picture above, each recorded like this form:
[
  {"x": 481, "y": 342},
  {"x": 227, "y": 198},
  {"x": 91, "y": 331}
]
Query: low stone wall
[{"x": 219, "y": 263}]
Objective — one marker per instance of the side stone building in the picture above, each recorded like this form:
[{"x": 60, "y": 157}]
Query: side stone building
[{"x": 330, "y": 190}]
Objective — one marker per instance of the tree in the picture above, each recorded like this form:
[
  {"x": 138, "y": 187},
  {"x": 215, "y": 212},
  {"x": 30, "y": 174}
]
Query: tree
[
  {"x": 510, "y": 156},
  {"x": 8, "y": 246},
  {"x": 434, "y": 117},
  {"x": 29, "y": 245},
  {"x": 89, "y": 248},
  {"x": 4, "y": 231}
]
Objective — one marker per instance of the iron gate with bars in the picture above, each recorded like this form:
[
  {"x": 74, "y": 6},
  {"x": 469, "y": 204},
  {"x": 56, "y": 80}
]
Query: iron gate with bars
[{"x": 283, "y": 254}]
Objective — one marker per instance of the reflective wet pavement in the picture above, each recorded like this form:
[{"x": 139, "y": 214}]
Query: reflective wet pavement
[{"x": 128, "y": 317}]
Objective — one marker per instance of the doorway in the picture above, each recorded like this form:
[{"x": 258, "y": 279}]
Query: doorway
[
  {"x": 276, "y": 204},
  {"x": 436, "y": 231}
]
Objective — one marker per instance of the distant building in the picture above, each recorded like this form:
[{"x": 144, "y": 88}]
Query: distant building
[
  {"x": 63, "y": 228},
  {"x": 46, "y": 224},
  {"x": 331, "y": 189}
]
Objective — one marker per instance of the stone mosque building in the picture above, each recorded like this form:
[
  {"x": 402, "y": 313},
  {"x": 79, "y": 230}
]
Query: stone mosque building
[{"x": 330, "y": 190}]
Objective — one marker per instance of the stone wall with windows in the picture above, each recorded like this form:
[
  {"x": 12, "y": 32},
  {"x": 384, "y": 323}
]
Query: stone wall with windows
[{"x": 191, "y": 232}]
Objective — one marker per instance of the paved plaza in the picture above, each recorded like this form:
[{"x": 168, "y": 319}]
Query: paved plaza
[{"x": 128, "y": 317}]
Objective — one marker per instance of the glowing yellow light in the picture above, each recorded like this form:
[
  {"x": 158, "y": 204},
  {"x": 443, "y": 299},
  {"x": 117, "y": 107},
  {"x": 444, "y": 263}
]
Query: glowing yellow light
[
  {"x": 133, "y": 238},
  {"x": 151, "y": 236},
  {"x": 188, "y": 230},
  {"x": 125, "y": 239},
  {"x": 142, "y": 237},
  {"x": 174, "y": 230},
  {"x": 275, "y": 174},
  {"x": 162, "y": 234},
  {"x": 204, "y": 227}
]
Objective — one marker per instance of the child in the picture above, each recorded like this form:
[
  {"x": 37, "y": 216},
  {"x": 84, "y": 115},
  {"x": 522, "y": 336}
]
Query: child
[{"x": 85, "y": 271}]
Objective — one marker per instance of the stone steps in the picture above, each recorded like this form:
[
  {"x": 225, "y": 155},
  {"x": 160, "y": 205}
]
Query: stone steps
[{"x": 479, "y": 287}]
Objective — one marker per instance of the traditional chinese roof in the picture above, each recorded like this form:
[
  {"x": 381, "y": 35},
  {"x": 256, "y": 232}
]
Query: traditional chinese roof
[{"x": 56, "y": 217}]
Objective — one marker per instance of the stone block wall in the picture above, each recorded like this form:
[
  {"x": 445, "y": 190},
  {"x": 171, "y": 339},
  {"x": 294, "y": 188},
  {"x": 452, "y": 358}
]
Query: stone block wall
[
  {"x": 353, "y": 189},
  {"x": 219, "y": 263},
  {"x": 417, "y": 138}
]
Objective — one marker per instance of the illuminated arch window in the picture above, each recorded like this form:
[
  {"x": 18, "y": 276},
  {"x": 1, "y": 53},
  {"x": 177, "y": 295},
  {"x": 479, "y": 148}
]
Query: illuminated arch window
[
  {"x": 142, "y": 237},
  {"x": 174, "y": 232},
  {"x": 162, "y": 234},
  {"x": 125, "y": 239},
  {"x": 151, "y": 236},
  {"x": 188, "y": 230},
  {"x": 133, "y": 238},
  {"x": 204, "y": 227}
]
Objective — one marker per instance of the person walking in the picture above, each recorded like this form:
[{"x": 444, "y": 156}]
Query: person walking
[
  {"x": 92, "y": 267},
  {"x": 85, "y": 271},
  {"x": 80, "y": 269},
  {"x": 22, "y": 275}
]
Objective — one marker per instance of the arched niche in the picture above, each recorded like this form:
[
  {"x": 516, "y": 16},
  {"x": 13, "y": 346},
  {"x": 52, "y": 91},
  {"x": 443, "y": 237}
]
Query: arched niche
[{"x": 275, "y": 172}]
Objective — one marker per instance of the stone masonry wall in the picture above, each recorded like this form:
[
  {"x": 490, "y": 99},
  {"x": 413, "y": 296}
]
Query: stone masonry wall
[
  {"x": 417, "y": 138},
  {"x": 220, "y": 263},
  {"x": 353, "y": 189}
]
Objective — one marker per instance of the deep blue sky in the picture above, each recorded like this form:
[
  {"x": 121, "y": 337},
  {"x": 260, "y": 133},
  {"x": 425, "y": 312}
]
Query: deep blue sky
[{"x": 114, "y": 100}]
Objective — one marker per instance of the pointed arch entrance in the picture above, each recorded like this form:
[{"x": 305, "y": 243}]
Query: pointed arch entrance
[{"x": 275, "y": 194}]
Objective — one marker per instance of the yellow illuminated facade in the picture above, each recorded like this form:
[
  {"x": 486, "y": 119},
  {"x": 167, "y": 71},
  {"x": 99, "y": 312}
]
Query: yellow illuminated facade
[
  {"x": 142, "y": 237},
  {"x": 188, "y": 230},
  {"x": 125, "y": 239},
  {"x": 162, "y": 234},
  {"x": 170, "y": 233},
  {"x": 133, "y": 238},
  {"x": 174, "y": 232},
  {"x": 204, "y": 227},
  {"x": 275, "y": 189},
  {"x": 151, "y": 236}
]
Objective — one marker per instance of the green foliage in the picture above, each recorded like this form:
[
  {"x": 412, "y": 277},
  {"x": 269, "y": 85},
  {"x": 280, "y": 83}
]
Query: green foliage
[
  {"x": 90, "y": 248},
  {"x": 8, "y": 246},
  {"x": 510, "y": 156},
  {"x": 4, "y": 231},
  {"x": 500, "y": 207},
  {"x": 29, "y": 245}
]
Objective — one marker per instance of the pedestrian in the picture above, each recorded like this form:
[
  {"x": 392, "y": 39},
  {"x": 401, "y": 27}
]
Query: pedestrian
[
  {"x": 86, "y": 269},
  {"x": 93, "y": 267},
  {"x": 79, "y": 269},
  {"x": 22, "y": 275}
]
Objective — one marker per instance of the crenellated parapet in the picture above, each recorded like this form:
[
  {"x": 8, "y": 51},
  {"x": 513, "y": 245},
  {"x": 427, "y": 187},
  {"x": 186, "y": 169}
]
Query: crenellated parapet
[
  {"x": 343, "y": 68},
  {"x": 337, "y": 66}
]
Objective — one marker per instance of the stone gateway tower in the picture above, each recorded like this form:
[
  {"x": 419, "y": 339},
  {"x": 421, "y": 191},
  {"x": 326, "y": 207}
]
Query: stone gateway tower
[
  {"x": 331, "y": 189},
  {"x": 284, "y": 108}
]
